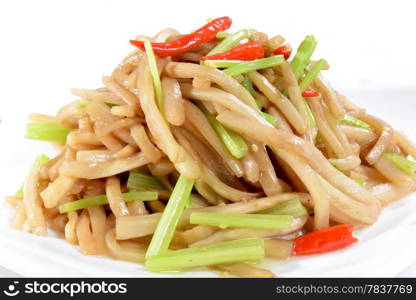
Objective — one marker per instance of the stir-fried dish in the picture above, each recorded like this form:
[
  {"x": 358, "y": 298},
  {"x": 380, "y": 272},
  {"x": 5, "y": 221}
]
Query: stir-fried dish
[{"x": 213, "y": 149}]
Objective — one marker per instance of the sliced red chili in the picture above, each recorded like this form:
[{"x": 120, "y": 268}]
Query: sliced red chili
[
  {"x": 187, "y": 42},
  {"x": 324, "y": 240},
  {"x": 285, "y": 50},
  {"x": 309, "y": 92},
  {"x": 246, "y": 51}
]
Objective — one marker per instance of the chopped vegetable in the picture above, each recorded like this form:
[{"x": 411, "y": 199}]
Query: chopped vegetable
[
  {"x": 170, "y": 217},
  {"x": 292, "y": 208},
  {"x": 360, "y": 181},
  {"x": 221, "y": 64},
  {"x": 246, "y": 51},
  {"x": 269, "y": 118},
  {"x": 303, "y": 55},
  {"x": 222, "y": 35},
  {"x": 324, "y": 240},
  {"x": 39, "y": 161},
  {"x": 157, "y": 86},
  {"x": 138, "y": 181},
  {"x": 285, "y": 50},
  {"x": 231, "y": 41},
  {"x": 254, "y": 65},
  {"x": 404, "y": 164},
  {"x": 102, "y": 200},
  {"x": 190, "y": 41},
  {"x": 248, "y": 84},
  {"x": 309, "y": 92},
  {"x": 46, "y": 131},
  {"x": 232, "y": 140},
  {"x": 352, "y": 121},
  {"x": 249, "y": 249},
  {"x": 224, "y": 220},
  {"x": 311, "y": 75}
]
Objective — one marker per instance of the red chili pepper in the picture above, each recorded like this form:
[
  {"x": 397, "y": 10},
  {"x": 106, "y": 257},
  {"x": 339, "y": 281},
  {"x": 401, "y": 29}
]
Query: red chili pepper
[
  {"x": 325, "y": 240},
  {"x": 187, "y": 42},
  {"x": 285, "y": 50},
  {"x": 246, "y": 51},
  {"x": 309, "y": 92}
]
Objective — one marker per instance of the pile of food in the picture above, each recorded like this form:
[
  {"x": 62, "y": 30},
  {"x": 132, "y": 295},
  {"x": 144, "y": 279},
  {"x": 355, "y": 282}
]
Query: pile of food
[{"x": 213, "y": 149}]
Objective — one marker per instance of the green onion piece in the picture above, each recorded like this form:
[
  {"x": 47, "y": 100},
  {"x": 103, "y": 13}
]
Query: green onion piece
[
  {"x": 155, "y": 73},
  {"x": 311, "y": 75},
  {"x": 254, "y": 65},
  {"x": 269, "y": 118},
  {"x": 46, "y": 131},
  {"x": 170, "y": 217},
  {"x": 231, "y": 41},
  {"x": 138, "y": 181},
  {"x": 222, "y": 35},
  {"x": 103, "y": 200},
  {"x": 224, "y": 220},
  {"x": 249, "y": 249},
  {"x": 360, "y": 181},
  {"x": 303, "y": 55},
  {"x": 292, "y": 208},
  {"x": 352, "y": 121},
  {"x": 232, "y": 140},
  {"x": 404, "y": 164},
  {"x": 221, "y": 64}
]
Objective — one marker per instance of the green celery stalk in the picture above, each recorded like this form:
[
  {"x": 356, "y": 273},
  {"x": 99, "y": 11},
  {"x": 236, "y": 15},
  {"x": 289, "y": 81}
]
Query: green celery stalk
[
  {"x": 269, "y": 118},
  {"x": 254, "y": 65},
  {"x": 155, "y": 73},
  {"x": 311, "y": 118},
  {"x": 231, "y": 41},
  {"x": 232, "y": 140},
  {"x": 103, "y": 200},
  {"x": 222, "y": 35},
  {"x": 39, "y": 161},
  {"x": 249, "y": 249},
  {"x": 303, "y": 55},
  {"x": 138, "y": 181},
  {"x": 311, "y": 75},
  {"x": 404, "y": 164},
  {"x": 221, "y": 64},
  {"x": 352, "y": 121},
  {"x": 225, "y": 220},
  {"x": 248, "y": 85},
  {"x": 170, "y": 217},
  {"x": 292, "y": 208},
  {"x": 360, "y": 181},
  {"x": 46, "y": 131}
]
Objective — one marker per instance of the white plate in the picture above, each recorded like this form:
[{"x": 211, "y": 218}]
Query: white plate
[{"x": 385, "y": 249}]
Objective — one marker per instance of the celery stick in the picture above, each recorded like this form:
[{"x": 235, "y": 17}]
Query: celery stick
[
  {"x": 137, "y": 181},
  {"x": 39, "y": 161},
  {"x": 269, "y": 118},
  {"x": 231, "y": 41},
  {"x": 170, "y": 217},
  {"x": 232, "y": 140},
  {"x": 311, "y": 75},
  {"x": 249, "y": 249},
  {"x": 311, "y": 118},
  {"x": 404, "y": 164},
  {"x": 221, "y": 64},
  {"x": 303, "y": 55},
  {"x": 360, "y": 181},
  {"x": 46, "y": 131},
  {"x": 103, "y": 200},
  {"x": 155, "y": 73},
  {"x": 254, "y": 65},
  {"x": 352, "y": 121},
  {"x": 292, "y": 208},
  {"x": 225, "y": 220},
  {"x": 248, "y": 84},
  {"x": 222, "y": 35}
]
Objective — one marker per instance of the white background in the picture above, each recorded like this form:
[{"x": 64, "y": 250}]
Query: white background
[{"x": 47, "y": 47}]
